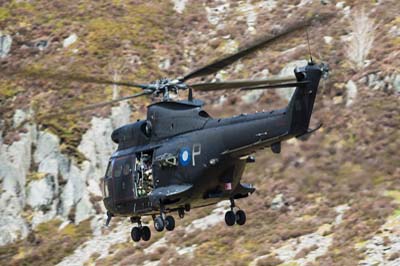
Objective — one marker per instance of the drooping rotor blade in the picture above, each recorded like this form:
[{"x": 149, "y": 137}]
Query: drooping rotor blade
[
  {"x": 276, "y": 86},
  {"x": 61, "y": 76},
  {"x": 237, "y": 84},
  {"x": 255, "y": 46},
  {"x": 93, "y": 106}
]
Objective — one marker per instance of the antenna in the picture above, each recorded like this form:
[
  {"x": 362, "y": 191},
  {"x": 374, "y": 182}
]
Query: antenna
[{"x": 309, "y": 48}]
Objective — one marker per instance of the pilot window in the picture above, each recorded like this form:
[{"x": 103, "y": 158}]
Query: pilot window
[{"x": 118, "y": 165}]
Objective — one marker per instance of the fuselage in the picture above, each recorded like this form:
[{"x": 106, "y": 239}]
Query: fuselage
[{"x": 196, "y": 159}]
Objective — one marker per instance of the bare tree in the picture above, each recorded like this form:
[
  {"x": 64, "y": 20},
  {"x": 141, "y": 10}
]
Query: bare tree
[{"x": 362, "y": 37}]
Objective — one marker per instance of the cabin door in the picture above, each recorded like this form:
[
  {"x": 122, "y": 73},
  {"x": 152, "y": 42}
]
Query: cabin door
[{"x": 124, "y": 175}]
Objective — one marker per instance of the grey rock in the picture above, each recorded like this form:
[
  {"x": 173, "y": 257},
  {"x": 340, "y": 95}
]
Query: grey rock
[
  {"x": 40, "y": 193},
  {"x": 254, "y": 95},
  {"x": 179, "y": 5},
  {"x": 278, "y": 202},
  {"x": 165, "y": 64},
  {"x": 42, "y": 216},
  {"x": 72, "y": 191},
  {"x": 47, "y": 146},
  {"x": 351, "y": 89},
  {"x": 396, "y": 83},
  {"x": 12, "y": 225},
  {"x": 97, "y": 145},
  {"x": 49, "y": 166},
  {"x": 120, "y": 115},
  {"x": 5, "y": 44},
  {"x": 288, "y": 70},
  {"x": 19, "y": 117},
  {"x": 84, "y": 209},
  {"x": 42, "y": 44},
  {"x": 70, "y": 40}
]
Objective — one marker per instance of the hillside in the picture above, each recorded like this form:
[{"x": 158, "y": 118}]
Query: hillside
[{"x": 331, "y": 200}]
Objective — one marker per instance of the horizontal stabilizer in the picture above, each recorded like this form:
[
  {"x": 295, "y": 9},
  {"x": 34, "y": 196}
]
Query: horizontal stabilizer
[{"x": 306, "y": 135}]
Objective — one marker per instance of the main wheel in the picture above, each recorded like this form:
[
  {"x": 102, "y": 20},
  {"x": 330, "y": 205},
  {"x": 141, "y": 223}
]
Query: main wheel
[
  {"x": 159, "y": 224},
  {"x": 169, "y": 223},
  {"x": 181, "y": 213},
  {"x": 135, "y": 234},
  {"x": 240, "y": 217},
  {"x": 145, "y": 232},
  {"x": 230, "y": 218}
]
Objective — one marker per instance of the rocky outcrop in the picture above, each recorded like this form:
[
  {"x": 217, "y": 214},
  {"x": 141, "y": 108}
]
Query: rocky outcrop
[{"x": 36, "y": 177}]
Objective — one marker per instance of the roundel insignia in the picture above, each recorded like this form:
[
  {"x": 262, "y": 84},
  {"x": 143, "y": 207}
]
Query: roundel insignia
[{"x": 184, "y": 156}]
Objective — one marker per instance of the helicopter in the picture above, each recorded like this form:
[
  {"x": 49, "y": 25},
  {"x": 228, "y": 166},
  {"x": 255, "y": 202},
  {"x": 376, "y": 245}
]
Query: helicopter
[{"x": 180, "y": 158}]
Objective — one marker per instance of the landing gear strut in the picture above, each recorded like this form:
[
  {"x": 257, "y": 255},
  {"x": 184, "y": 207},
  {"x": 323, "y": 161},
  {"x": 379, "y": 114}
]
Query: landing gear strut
[
  {"x": 140, "y": 231},
  {"x": 162, "y": 221},
  {"x": 232, "y": 217}
]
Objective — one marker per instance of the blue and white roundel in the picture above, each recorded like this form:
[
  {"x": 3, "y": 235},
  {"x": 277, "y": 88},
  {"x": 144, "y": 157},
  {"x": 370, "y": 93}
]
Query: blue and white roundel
[{"x": 184, "y": 156}]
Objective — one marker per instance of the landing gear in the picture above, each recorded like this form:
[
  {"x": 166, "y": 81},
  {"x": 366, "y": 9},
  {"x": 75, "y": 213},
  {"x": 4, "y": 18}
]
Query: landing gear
[
  {"x": 145, "y": 233},
  {"x": 232, "y": 217},
  {"x": 140, "y": 232},
  {"x": 240, "y": 217},
  {"x": 169, "y": 223},
  {"x": 159, "y": 224},
  {"x": 135, "y": 234},
  {"x": 181, "y": 213}
]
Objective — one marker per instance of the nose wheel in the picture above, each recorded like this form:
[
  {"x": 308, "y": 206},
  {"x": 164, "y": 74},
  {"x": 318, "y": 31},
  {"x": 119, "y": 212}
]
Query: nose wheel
[{"x": 232, "y": 217}]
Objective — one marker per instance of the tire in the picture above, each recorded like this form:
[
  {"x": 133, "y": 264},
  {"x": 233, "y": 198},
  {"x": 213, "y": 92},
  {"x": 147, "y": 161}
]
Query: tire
[
  {"x": 146, "y": 233},
  {"x": 159, "y": 224},
  {"x": 230, "y": 218},
  {"x": 169, "y": 223},
  {"x": 240, "y": 217},
  {"x": 136, "y": 234},
  {"x": 181, "y": 213}
]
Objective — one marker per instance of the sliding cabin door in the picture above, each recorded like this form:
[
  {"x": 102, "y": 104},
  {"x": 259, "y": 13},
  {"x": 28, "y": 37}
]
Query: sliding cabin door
[{"x": 124, "y": 175}]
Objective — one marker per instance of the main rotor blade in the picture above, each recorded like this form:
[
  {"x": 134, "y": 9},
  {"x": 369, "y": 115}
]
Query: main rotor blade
[
  {"x": 256, "y": 45},
  {"x": 61, "y": 76},
  {"x": 93, "y": 106},
  {"x": 276, "y": 86},
  {"x": 237, "y": 84}
]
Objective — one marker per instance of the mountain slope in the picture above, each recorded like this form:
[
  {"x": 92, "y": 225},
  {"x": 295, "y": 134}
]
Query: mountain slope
[{"x": 331, "y": 200}]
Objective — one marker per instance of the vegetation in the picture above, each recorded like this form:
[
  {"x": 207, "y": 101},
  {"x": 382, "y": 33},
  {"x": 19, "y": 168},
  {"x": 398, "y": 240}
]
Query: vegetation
[
  {"x": 46, "y": 245},
  {"x": 352, "y": 160}
]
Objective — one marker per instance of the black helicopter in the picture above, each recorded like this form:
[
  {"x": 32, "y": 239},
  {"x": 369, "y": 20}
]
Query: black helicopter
[{"x": 180, "y": 158}]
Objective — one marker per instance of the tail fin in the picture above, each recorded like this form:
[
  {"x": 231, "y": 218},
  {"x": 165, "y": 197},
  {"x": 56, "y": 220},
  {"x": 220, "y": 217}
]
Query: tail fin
[{"x": 302, "y": 103}]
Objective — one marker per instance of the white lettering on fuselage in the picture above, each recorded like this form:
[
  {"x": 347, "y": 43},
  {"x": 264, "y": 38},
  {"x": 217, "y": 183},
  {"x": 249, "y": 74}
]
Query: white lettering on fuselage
[{"x": 196, "y": 150}]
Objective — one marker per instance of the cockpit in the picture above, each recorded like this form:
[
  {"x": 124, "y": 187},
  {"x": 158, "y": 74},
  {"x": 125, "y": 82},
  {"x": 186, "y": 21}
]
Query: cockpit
[{"x": 129, "y": 177}]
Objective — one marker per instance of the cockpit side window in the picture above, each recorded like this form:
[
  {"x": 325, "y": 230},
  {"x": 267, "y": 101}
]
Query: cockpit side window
[
  {"x": 118, "y": 166},
  {"x": 127, "y": 168},
  {"x": 109, "y": 170}
]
